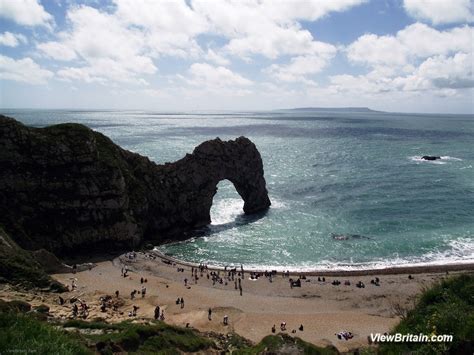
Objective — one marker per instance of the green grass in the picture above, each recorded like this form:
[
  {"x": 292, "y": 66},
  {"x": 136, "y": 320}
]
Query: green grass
[
  {"x": 145, "y": 338},
  {"x": 446, "y": 308},
  {"x": 273, "y": 344},
  {"x": 23, "y": 334}
]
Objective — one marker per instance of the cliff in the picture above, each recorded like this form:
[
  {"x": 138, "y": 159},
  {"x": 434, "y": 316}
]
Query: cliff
[
  {"x": 67, "y": 188},
  {"x": 20, "y": 267}
]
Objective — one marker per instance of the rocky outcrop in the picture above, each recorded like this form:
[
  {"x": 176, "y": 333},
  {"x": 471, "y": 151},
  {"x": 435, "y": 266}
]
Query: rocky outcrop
[
  {"x": 68, "y": 188},
  {"x": 430, "y": 157}
]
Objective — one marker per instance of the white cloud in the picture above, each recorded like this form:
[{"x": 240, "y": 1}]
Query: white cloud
[
  {"x": 25, "y": 12},
  {"x": 112, "y": 52},
  {"x": 79, "y": 74},
  {"x": 267, "y": 27},
  {"x": 24, "y": 70},
  {"x": 442, "y": 72},
  {"x": 119, "y": 45},
  {"x": 415, "y": 41},
  {"x": 103, "y": 70},
  {"x": 206, "y": 75},
  {"x": 57, "y": 50},
  {"x": 439, "y": 74},
  {"x": 440, "y": 11},
  {"x": 308, "y": 10},
  {"x": 299, "y": 67},
  {"x": 216, "y": 58},
  {"x": 168, "y": 27},
  {"x": 12, "y": 39}
]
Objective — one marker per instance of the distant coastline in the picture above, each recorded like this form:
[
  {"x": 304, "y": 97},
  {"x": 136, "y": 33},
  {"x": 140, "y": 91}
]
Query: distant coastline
[{"x": 331, "y": 109}]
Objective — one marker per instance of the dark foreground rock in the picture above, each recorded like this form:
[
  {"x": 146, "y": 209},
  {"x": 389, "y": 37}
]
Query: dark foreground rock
[{"x": 66, "y": 188}]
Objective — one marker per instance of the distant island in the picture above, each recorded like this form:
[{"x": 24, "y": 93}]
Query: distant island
[{"x": 330, "y": 109}]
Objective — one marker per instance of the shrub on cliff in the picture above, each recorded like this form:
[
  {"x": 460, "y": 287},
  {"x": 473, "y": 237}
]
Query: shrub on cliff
[{"x": 446, "y": 308}]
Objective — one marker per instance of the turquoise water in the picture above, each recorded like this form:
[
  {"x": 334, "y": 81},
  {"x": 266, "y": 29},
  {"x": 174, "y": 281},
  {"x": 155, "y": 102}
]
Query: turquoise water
[{"x": 327, "y": 174}]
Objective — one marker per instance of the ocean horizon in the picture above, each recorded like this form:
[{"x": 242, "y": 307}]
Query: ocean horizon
[{"x": 349, "y": 190}]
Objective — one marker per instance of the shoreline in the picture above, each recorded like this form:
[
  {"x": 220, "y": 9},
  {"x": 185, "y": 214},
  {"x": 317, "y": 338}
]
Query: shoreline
[
  {"x": 324, "y": 308},
  {"x": 391, "y": 270}
]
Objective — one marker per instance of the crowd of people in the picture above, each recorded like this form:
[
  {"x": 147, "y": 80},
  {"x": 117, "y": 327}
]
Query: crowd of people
[{"x": 229, "y": 275}]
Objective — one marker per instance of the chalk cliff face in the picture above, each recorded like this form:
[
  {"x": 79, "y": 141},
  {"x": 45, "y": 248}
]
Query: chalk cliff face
[{"x": 69, "y": 189}]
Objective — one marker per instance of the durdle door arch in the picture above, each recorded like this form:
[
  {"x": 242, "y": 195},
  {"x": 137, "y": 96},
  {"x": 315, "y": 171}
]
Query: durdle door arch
[
  {"x": 213, "y": 161},
  {"x": 67, "y": 188}
]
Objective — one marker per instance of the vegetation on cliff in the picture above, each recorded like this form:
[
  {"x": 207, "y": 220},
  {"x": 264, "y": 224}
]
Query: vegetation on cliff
[
  {"x": 18, "y": 267},
  {"x": 24, "y": 333},
  {"x": 446, "y": 308}
]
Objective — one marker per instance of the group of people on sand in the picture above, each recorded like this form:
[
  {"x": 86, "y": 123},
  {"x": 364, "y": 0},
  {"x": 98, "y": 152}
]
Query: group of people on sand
[
  {"x": 344, "y": 335},
  {"x": 158, "y": 315},
  {"x": 375, "y": 282},
  {"x": 283, "y": 328},
  {"x": 180, "y": 301},
  {"x": 81, "y": 311}
]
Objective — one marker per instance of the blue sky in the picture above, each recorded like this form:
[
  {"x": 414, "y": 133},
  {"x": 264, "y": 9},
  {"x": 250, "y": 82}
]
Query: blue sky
[{"x": 393, "y": 55}]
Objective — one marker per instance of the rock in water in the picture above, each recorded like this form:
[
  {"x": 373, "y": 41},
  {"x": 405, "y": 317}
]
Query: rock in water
[
  {"x": 430, "y": 157},
  {"x": 68, "y": 189}
]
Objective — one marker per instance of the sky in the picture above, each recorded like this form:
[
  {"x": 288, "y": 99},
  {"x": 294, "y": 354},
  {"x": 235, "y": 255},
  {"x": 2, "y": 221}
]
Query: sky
[{"x": 182, "y": 55}]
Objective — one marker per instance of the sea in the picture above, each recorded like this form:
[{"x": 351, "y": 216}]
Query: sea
[{"x": 349, "y": 190}]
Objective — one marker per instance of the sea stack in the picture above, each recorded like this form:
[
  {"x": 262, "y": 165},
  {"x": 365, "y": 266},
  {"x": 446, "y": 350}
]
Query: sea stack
[{"x": 67, "y": 188}]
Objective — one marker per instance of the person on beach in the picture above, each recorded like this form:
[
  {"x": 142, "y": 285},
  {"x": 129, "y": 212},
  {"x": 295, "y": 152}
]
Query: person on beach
[
  {"x": 74, "y": 268},
  {"x": 134, "y": 312},
  {"x": 117, "y": 293},
  {"x": 162, "y": 317},
  {"x": 301, "y": 328},
  {"x": 185, "y": 282},
  {"x": 226, "y": 319},
  {"x": 273, "y": 329},
  {"x": 157, "y": 312},
  {"x": 209, "y": 314},
  {"x": 75, "y": 310},
  {"x": 143, "y": 291},
  {"x": 182, "y": 302}
]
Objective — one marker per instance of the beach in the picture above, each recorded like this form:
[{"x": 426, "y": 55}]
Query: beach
[{"x": 321, "y": 307}]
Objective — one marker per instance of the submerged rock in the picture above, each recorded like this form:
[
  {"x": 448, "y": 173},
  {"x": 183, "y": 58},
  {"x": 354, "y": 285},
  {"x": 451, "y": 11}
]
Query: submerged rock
[
  {"x": 348, "y": 236},
  {"x": 68, "y": 188}
]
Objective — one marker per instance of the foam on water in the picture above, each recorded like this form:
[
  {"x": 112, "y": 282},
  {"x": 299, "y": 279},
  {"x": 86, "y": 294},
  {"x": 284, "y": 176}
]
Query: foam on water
[
  {"x": 226, "y": 210},
  {"x": 459, "y": 251},
  {"x": 442, "y": 161}
]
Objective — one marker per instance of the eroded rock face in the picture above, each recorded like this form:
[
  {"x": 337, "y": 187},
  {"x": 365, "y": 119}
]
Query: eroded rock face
[{"x": 67, "y": 188}]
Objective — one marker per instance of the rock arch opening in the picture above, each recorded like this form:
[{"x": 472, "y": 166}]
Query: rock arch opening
[{"x": 227, "y": 204}]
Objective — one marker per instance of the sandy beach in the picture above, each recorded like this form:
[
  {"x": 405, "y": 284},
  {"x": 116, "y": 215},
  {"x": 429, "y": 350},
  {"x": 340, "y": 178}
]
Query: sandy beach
[{"x": 322, "y": 308}]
